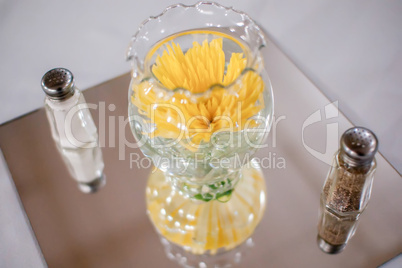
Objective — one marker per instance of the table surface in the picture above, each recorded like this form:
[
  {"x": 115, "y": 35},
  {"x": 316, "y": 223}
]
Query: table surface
[{"x": 111, "y": 228}]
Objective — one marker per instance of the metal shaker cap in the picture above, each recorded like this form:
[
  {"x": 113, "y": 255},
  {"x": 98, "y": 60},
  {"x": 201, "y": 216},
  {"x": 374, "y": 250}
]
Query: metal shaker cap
[
  {"x": 358, "y": 146},
  {"x": 58, "y": 83}
]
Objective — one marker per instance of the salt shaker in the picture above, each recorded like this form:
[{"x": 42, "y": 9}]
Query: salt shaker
[
  {"x": 347, "y": 189},
  {"x": 73, "y": 129}
]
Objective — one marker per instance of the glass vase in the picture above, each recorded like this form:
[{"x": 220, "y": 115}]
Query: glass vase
[{"x": 200, "y": 106}]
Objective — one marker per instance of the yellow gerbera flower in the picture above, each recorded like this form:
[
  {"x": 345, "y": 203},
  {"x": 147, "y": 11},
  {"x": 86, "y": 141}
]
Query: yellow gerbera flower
[{"x": 200, "y": 69}]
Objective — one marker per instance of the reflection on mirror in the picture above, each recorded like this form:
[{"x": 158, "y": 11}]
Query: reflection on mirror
[{"x": 194, "y": 229}]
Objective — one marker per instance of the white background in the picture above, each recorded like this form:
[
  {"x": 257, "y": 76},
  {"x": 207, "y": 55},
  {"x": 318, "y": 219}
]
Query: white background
[{"x": 351, "y": 49}]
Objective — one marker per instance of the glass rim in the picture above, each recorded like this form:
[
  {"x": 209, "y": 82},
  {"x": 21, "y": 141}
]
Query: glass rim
[{"x": 132, "y": 55}]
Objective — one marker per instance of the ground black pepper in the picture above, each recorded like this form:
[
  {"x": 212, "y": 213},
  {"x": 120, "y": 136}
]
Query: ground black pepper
[{"x": 347, "y": 189}]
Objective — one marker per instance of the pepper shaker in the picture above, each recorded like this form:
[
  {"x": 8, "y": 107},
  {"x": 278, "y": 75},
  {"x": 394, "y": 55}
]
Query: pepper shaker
[
  {"x": 73, "y": 129},
  {"x": 347, "y": 189}
]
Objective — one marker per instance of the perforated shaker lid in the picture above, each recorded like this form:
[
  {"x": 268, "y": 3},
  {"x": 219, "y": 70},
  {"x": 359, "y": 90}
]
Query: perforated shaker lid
[
  {"x": 358, "y": 146},
  {"x": 58, "y": 83}
]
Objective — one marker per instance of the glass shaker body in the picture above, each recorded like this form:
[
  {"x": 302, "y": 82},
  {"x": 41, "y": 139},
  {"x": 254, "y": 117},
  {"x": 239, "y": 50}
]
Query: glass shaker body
[
  {"x": 344, "y": 197},
  {"x": 75, "y": 135}
]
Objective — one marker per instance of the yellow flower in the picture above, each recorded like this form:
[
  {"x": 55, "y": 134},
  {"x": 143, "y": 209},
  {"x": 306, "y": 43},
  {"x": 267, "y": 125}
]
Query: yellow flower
[{"x": 199, "y": 70}]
